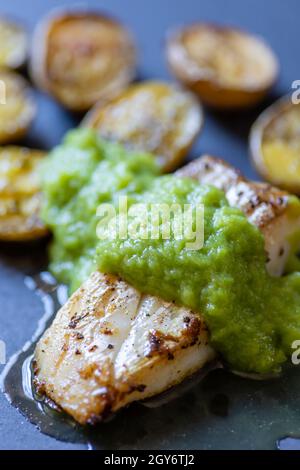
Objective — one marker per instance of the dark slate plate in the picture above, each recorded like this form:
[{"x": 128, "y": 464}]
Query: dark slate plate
[{"x": 223, "y": 411}]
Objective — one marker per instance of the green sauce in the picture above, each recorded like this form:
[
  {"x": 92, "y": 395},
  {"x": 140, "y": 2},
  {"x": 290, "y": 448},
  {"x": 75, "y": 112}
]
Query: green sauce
[
  {"x": 253, "y": 318},
  {"x": 79, "y": 175}
]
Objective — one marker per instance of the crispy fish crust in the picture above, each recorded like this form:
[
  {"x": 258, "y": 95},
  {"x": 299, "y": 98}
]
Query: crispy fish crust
[
  {"x": 109, "y": 345},
  {"x": 264, "y": 205}
]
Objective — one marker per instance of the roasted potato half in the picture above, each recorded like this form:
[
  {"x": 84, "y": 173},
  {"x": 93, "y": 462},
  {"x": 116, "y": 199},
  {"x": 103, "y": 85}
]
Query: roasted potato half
[
  {"x": 13, "y": 44},
  {"x": 275, "y": 144},
  {"x": 17, "y": 106},
  {"x": 20, "y": 194},
  {"x": 226, "y": 67},
  {"x": 82, "y": 57},
  {"x": 156, "y": 117}
]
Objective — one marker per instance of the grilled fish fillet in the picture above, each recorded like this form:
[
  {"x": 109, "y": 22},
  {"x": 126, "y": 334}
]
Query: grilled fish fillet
[
  {"x": 265, "y": 206},
  {"x": 110, "y": 345}
]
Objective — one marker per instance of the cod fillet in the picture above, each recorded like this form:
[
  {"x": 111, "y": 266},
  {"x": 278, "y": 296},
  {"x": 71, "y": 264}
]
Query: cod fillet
[{"x": 264, "y": 205}]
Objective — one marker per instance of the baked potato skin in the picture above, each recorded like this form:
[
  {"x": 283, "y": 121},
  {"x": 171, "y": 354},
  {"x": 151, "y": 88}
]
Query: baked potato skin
[
  {"x": 20, "y": 194},
  {"x": 18, "y": 108},
  {"x": 82, "y": 57},
  {"x": 214, "y": 96},
  {"x": 221, "y": 88},
  {"x": 13, "y": 44},
  {"x": 152, "y": 116}
]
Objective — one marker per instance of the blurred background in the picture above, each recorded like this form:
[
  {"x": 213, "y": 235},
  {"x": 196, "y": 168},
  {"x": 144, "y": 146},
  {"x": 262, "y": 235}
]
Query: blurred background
[{"x": 224, "y": 135}]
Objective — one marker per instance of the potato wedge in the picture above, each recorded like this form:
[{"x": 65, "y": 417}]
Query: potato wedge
[
  {"x": 275, "y": 144},
  {"x": 13, "y": 44},
  {"x": 20, "y": 195},
  {"x": 17, "y": 106},
  {"x": 82, "y": 57},
  {"x": 226, "y": 67},
  {"x": 156, "y": 117}
]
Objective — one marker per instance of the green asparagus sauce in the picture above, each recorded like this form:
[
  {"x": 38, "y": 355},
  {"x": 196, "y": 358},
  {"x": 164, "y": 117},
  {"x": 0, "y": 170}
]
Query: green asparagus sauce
[{"x": 253, "y": 318}]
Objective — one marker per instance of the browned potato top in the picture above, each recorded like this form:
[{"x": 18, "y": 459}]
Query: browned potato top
[
  {"x": 20, "y": 195},
  {"x": 82, "y": 57},
  {"x": 217, "y": 60},
  {"x": 13, "y": 44},
  {"x": 17, "y": 106},
  {"x": 275, "y": 144},
  {"x": 151, "y": 116}
]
